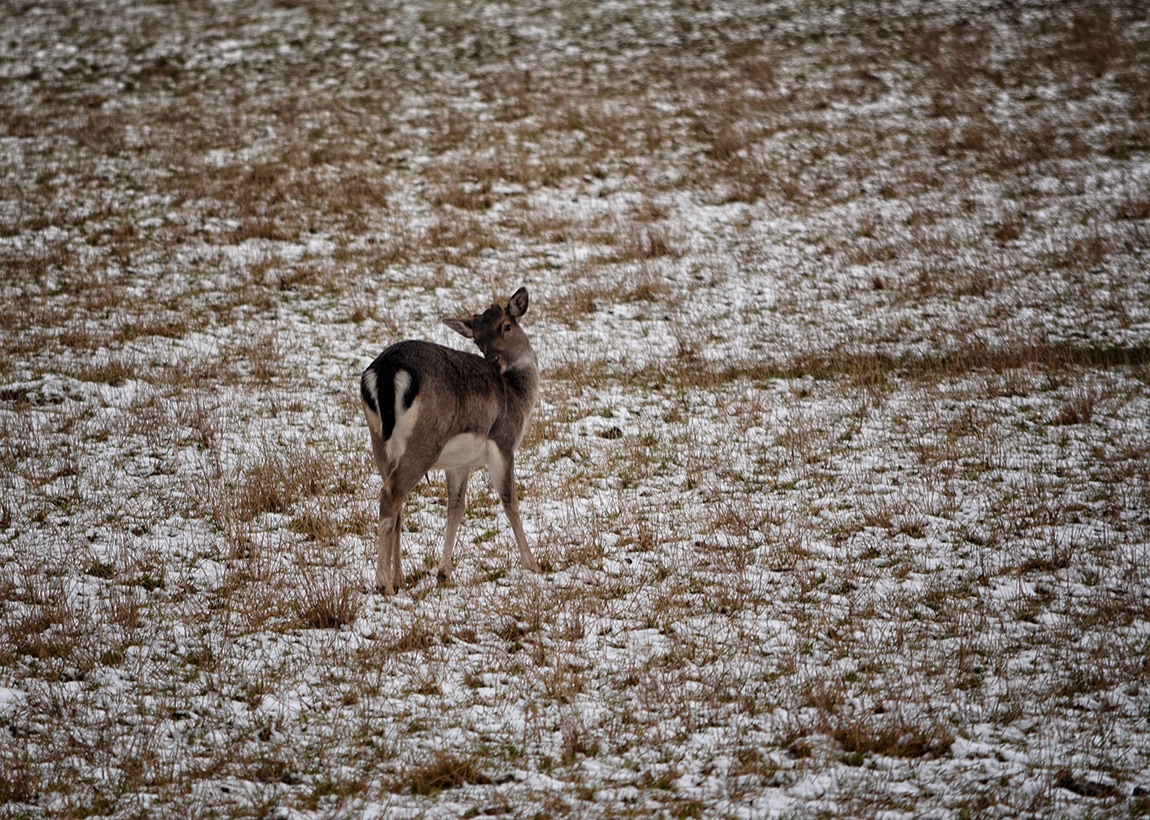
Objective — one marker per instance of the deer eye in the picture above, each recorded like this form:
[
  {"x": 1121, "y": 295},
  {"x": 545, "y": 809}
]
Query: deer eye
[{"x": 507, "y": 328}]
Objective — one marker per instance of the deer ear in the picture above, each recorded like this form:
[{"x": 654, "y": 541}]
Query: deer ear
[
  {"x": 517, "y": 304},
  {"x": 461, "y": 326}
]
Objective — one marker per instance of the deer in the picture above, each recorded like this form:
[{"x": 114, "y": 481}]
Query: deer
[{"x": 432, "y": 407}]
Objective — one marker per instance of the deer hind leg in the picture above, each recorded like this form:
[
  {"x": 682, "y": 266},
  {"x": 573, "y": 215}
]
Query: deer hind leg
[
  {"x": 396, "y": 564},
  {"x": 502, "y": 470},
  {"x": 456, "y": 504},
  {"x": 396, "y": 488},
  {"x": 399, "y": 470},
  {"x": 388, "y": 573},
  {"x": 389, "y": 507}
]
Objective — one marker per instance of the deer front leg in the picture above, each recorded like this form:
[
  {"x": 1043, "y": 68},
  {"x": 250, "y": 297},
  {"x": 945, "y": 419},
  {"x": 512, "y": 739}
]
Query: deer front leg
[
  {"x": 456, "y": 504},
  {"x": 502, "y": 470}
]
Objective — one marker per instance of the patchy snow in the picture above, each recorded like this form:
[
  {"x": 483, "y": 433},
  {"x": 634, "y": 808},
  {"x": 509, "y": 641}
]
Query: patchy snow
[{"x": 839, "y": 477}]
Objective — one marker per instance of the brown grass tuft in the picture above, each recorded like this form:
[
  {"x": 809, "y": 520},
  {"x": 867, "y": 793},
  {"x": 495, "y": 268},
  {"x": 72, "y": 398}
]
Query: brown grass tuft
[
  {"x": 444, "y": 771},
  {"x": 282, "y": 477},
  {"x": 327, "y": 601}
]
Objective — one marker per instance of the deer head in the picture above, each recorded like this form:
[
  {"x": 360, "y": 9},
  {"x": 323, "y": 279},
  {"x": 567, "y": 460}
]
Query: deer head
[{"x": 497, "y": 333}]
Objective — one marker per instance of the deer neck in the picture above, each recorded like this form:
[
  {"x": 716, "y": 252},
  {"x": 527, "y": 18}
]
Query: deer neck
[{"x": 523, "y": 382}]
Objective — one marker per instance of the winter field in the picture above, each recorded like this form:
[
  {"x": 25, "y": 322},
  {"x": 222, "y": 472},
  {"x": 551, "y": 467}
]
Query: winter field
[{"x": 840, "y": 477}]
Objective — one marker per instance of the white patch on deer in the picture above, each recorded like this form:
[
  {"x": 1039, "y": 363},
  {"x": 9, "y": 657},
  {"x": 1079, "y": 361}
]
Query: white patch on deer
[
  {"x": 465, "y": 450},
  {"x": 405, "y": 418},
  {"x": 371, "y": 387},
  {"x": 495, "y": 464}
]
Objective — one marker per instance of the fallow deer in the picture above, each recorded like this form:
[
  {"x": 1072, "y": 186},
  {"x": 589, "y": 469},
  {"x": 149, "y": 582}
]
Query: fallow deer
[{"x": 432, "y": 407}]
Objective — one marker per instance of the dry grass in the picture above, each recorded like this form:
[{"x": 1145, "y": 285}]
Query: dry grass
[
  {"x": 328, "y": 602},
  {"x": 840, "y": 474},
  {"x": 445, "y": 771}
]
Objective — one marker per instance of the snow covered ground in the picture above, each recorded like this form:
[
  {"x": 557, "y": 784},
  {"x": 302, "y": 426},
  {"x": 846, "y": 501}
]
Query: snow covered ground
[{"x": 840, "y": 477}]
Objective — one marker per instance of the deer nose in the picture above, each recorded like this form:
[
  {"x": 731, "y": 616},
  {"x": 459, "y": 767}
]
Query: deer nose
[{"x": 495, "y": 358}]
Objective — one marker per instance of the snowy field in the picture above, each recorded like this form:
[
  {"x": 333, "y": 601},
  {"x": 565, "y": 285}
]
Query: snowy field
[{"x": 840, "y": 477}]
